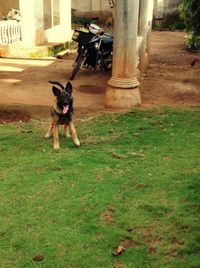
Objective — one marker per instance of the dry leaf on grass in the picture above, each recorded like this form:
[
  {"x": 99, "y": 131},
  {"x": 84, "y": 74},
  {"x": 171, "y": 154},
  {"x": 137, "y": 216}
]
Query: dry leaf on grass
[
  {"x": 123, "y": 156},
  {"x": 119, "y": 251},
  {"x": 119, "y": 156},
  {"x": 38, "y": 258}
]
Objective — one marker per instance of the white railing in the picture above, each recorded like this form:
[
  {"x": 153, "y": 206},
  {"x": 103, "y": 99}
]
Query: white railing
[{"x": 10, "y": 31}]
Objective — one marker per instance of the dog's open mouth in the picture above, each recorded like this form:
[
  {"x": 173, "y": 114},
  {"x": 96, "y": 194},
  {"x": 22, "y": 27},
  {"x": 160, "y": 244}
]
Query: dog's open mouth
[{"x": 65, "y": 108}]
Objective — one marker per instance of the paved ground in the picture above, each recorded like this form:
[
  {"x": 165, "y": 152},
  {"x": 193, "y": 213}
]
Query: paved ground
[
  {"x": 25, "y": 81},
  {"x": 169, "y": 79}
]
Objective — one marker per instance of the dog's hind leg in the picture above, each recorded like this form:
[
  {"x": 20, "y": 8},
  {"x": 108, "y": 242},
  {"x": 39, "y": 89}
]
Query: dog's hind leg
[
  {"x": 74, "y": 135},
  {"x": 49, "y": 132},
  {"x": 66, "y": 128}
]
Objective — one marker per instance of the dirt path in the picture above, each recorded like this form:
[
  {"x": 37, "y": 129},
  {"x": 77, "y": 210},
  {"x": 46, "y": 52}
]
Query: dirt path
[{"x": 168, "y": 81}]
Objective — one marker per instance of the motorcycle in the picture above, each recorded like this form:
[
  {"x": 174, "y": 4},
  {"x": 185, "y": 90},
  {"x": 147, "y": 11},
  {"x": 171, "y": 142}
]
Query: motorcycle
[{"x": 94, "y": 51}]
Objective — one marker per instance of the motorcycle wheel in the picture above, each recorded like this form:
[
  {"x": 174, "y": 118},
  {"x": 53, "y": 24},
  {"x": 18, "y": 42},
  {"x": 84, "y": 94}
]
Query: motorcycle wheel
[
  {"x": 106, "y": 68},
  {"x": 77, "y": 66},
  {"x": 106, "y": 65}
]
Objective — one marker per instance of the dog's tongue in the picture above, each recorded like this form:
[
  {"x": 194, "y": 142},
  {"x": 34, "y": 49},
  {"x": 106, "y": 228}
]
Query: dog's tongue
[{"x": 65, "y": 109}]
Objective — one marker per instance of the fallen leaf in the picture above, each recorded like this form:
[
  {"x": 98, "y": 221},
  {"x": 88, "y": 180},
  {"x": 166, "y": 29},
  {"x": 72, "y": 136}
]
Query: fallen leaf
[
  {"x": 27, "y": 131},
  {"x": 119, "y": 251},
  {"x": 38, "y": 258},
  {"x": 118, "y": 156},
  {"x": 138, "y": 154}
]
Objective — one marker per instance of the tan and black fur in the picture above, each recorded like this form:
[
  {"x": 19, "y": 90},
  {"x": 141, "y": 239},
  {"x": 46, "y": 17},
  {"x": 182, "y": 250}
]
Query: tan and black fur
[{"x": 61, "y": 113}]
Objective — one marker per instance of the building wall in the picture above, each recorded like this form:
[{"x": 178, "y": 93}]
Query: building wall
[
  {"x": 165, "y": 7},
  {"x": 38, "y": 21},
  {"x": 45, "y": 22},
  {"x": 58, "y": 28},
  {"x": 101, "y": 9},
  {"x": 91, "y": 8}
]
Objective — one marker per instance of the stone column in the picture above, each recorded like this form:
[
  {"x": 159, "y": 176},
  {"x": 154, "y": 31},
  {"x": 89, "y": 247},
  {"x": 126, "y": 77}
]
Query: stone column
[
  {"x": 28, "y": 22},
  {"x": 150, "y": 19},
  {"x": 122, "y": 90},
  {"x": 143, "y": 31},
  {"x": 65, "y": 20}
]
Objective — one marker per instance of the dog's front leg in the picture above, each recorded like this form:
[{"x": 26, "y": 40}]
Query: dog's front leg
[
  {"x": 49, "y": 132},
  {"x": 56, "y": 144},
  {"x": 66, "y": 128},
  {"x": 74, "y": 135}
]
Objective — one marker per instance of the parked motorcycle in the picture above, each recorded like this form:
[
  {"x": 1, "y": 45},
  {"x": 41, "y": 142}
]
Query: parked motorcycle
[{"x": 94, "y": 51}]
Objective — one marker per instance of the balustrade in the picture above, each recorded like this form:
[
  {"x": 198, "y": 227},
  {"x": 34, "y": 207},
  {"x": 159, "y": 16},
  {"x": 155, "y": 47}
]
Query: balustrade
[{"x": 10, "y": 32}]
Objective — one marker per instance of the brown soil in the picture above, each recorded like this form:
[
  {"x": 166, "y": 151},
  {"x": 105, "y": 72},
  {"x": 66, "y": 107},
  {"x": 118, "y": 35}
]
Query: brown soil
[
  {"x": 14, "y": 116},
  {"x": 170, "y": 80}
]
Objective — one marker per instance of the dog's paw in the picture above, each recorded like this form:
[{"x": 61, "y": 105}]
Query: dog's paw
[
  {"x": 47, "y": 136},
  {"x": 56, "y": 147},
  {"x": 77, "y": 142},
  {"x": 68, "y": 135}
]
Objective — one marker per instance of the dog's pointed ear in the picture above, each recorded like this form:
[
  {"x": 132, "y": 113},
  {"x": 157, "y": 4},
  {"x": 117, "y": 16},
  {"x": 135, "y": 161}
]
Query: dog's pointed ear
[
  {"x": 68, "y": 88},
  {"x": 56, "y": 91}
]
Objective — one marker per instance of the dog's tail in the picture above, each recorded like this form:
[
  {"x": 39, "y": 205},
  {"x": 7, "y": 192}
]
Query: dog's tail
[{"x": 57, "y": 83}]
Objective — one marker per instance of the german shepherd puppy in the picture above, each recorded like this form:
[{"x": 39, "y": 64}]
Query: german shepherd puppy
[{"x": 61, "y": 113}]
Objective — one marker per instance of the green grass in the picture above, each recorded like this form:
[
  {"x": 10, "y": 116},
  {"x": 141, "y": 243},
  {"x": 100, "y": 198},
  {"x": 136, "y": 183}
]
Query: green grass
[{"x": 134, "y": 182}]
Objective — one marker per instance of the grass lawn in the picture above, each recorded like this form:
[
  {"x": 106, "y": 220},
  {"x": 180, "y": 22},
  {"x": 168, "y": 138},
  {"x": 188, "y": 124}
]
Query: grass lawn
[{"x": 133, "y": 185}]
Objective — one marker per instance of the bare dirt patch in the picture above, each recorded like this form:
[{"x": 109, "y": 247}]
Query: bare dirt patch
[
  {"x": 170, "y": 80},
  {"x": 91, "y": 89},
  {"x": 14, "y": 116},
  {"x": 108, "y": 216}
]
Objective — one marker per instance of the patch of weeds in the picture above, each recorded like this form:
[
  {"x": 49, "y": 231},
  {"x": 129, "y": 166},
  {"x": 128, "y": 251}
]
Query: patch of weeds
[
  {"x": 52, "y": 51},
  {"x": 192, "y": 41},
  {"x": 169, "y": 22}
]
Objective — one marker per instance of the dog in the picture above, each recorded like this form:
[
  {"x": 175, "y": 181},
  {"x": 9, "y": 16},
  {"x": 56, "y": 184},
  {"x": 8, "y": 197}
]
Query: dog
[{"x": 61, "y": 113}]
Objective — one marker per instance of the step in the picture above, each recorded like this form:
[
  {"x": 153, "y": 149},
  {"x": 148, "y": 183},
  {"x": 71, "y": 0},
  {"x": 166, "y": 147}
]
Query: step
[{"x": 40, "y": 51}]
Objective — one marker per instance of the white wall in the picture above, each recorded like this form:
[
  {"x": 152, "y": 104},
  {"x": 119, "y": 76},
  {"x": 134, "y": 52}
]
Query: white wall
[
  {"x": 61, "y": 32},
  {"x": 33, "y": 32},
  {"x": 38, "y": 20},
  {"x": 91, "y": 8},
  {"x": 28, "y": 23},
  {"x": 165, "y": 7}
]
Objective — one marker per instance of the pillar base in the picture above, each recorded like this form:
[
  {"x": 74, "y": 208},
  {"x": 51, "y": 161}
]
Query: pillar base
[
  {"x": 122, "y": 98},
  {"x": 123, "y": 82}
]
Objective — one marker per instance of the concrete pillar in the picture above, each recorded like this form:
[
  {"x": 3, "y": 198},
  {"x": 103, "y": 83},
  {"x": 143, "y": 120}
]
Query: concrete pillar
[
  {"x": 122, "y": 90},
  {"x": 150, "y": 19},
  {"x": 143, "y": 31},
  {"x": 28, "y": 22},
  {"x": 65, "y": 19}
]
